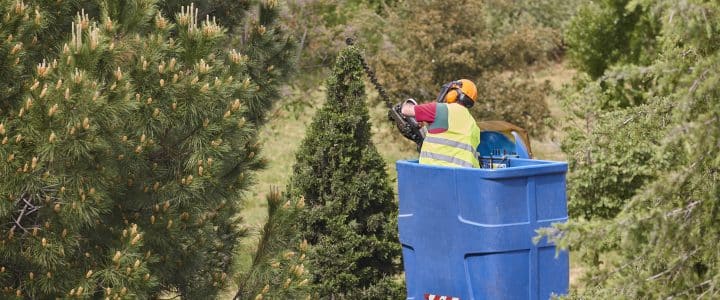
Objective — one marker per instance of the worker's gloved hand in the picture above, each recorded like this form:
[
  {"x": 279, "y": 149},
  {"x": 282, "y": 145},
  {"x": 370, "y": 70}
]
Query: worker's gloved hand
[
  {"x": 407, "y": 125},
  {"x": 399, "y": 107},
  {"x": 409, "y": 102}
]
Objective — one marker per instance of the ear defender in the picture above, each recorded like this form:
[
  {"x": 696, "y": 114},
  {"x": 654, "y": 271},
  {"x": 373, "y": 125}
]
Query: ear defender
[
  {"x": 452, "y": 92},
  {"x": 442, "y": 96},
  {"x": 455, "y": 93}
]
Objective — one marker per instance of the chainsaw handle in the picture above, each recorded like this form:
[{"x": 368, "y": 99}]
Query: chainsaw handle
[
  {"x": 407, "y": 125},
  {"x": 411, "y": 119},
  {"x": 408, "y": 102}
]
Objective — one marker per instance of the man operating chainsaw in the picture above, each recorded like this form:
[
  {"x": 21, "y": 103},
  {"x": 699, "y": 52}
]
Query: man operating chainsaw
[{"x": 452, "y": 133}]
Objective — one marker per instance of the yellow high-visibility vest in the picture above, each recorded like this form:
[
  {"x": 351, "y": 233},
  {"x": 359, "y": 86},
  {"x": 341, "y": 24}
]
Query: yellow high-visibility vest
[{"x": 456, "y": 147}]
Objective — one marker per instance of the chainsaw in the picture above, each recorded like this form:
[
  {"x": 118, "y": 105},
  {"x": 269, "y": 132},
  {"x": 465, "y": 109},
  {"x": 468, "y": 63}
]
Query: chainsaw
[{"x": 408, "y": 126}]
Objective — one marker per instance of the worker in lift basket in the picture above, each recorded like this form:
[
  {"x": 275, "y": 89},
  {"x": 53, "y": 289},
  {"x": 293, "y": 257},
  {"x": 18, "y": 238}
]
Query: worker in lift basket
[{"x": 453, "y": 135}]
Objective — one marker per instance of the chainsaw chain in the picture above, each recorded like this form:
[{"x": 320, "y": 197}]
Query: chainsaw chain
[{"x": 373, "y": 78}]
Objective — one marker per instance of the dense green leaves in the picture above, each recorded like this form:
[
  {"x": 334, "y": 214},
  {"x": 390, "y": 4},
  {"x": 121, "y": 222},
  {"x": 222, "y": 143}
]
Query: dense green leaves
[
  {"x": 611, "y": 163},
  {"x": 493, "y": 43},
  {"x": 605, "y": 32}
]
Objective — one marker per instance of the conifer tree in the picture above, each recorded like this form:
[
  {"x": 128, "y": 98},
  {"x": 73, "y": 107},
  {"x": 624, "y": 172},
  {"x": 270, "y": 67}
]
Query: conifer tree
[
  {"x": 268, "y": 50},
  {"x": 278, "y": 268},
  {"x": 662, "y": 241},
  {"x": 350, "y": 217},
  {"x": 127, "y": 140},
  {"x": 228, "y": 13}
]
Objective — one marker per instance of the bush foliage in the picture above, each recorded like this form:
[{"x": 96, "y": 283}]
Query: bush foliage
[
  {"x": 493, "y": 43},
  {"x": 606, "y": 32},
  {"x": 646, "y": 172}
]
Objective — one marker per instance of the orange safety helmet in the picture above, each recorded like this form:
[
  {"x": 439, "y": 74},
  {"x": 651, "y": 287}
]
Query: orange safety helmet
[{"x": 462, "y": 91}]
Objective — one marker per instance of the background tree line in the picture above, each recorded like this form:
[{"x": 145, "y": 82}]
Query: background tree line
[{"x": 416, "y": 46}]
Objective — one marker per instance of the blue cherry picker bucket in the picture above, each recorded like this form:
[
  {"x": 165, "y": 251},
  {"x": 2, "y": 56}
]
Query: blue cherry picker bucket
[{"x": 468, "y": 233}]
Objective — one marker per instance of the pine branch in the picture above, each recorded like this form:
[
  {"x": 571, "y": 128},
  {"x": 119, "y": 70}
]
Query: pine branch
[
  {"x": 28, "y": 208},
  {"x": 675, "y": 266}
]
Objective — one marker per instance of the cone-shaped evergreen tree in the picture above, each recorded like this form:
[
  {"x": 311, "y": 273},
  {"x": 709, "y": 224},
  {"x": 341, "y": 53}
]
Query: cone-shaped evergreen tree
[
  {"x": 125, "y": 147},
  {"x": 350, "y": 218}
]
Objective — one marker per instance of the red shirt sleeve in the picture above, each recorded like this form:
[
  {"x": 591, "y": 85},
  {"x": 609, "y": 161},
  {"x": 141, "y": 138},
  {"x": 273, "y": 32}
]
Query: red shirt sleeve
[{"x": 425, "y": 112}]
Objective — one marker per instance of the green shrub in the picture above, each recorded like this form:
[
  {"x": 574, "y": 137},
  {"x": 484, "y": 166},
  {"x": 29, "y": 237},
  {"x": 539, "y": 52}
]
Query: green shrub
[{"x": 605, "y": 32}]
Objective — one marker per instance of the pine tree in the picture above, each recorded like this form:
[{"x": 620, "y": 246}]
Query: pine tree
[
  {"x": 278, "y": 268},
  {"x": 228, "y": 13},
  {"x": 269, "y": 51},
  {"x": 350, "y": 217},
  {"x": 662, "y": 242},
  {"x": 127, "y": 141}
]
